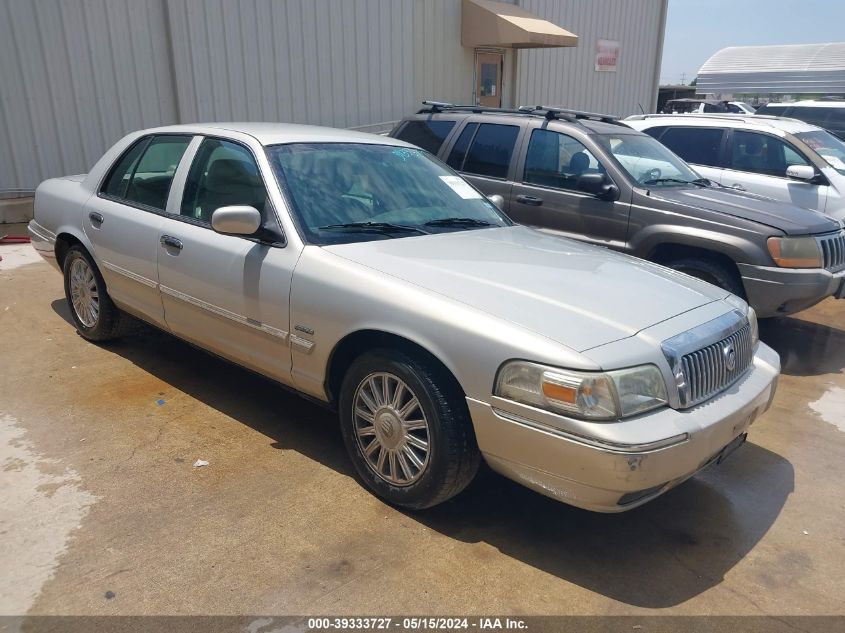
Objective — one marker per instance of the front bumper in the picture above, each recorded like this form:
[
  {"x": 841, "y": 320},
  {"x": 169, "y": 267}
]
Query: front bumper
[
  {"x": 43, "y": 241},
  {"x": 773, "y": 291},
  {"x": 632, "y": 461}
]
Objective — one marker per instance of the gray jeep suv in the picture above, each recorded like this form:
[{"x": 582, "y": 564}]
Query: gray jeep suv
[{"x": 590, "y": 177}]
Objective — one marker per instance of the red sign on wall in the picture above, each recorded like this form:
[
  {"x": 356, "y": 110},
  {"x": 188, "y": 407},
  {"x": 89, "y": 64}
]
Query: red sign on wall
[{"x": 607, "y": 55}]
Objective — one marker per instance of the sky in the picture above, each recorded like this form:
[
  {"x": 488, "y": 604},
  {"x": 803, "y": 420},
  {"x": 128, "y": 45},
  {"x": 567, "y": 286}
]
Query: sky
[{"x": 695, "y": 29}]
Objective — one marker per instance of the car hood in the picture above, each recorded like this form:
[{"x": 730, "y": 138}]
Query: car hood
[
  {"x": 786, "y": 217},
  {"x": 576, "y": 294}
]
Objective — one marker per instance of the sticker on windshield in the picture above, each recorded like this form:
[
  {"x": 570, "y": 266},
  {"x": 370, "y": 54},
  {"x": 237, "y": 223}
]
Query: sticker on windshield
[{"x": 460, "y": 187}]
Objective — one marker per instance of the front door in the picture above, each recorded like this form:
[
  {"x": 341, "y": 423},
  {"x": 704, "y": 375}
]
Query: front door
[
  {"x": 545, "y": 194},
  {"x": 488, "y": 79},
  {"x": 226, "y": 293},
  {"x": 758, "y": 162}
]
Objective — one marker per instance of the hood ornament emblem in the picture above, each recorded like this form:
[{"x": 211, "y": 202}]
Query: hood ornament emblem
[{"x": 729, "y": 354}]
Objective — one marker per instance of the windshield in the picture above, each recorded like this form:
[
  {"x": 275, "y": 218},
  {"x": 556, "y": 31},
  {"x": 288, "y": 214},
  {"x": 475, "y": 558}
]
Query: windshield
[
  {"x": 648, "y": 161},
  {"x": 827, "y": 146},
  {"x": 352, "y": 192}
]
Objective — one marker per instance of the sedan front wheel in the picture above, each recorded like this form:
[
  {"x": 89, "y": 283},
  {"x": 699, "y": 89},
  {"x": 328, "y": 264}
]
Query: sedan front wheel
[{"x": 407, "y": 429}]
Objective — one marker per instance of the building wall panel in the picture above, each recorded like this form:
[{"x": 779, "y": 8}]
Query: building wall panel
[
  {"x": 74, "y": 78},
  {"x": 567, "y": 76}
]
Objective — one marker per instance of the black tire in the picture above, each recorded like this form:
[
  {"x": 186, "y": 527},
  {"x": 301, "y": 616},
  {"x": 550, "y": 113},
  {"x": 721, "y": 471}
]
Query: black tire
[
  {"x": 709, "y": 270},
  {"x": 453, "y": 455},
  {"x": 110, "y": 322}
]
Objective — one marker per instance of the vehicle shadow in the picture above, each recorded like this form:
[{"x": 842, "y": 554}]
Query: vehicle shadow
[
  {"x": 656, "y": 556},
  {"x": 805, "y": 348}
]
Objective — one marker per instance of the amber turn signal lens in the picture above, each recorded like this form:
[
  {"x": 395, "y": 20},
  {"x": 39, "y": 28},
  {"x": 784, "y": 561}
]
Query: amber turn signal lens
[{"x": 560, "y": 393}]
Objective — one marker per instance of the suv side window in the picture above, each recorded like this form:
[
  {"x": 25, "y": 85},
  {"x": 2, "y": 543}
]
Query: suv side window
[
  {"x": 459, "y": 149},
  {"x": 222, "y": 174},
  {"x": 696, "y": 145},
  {"x": 427, "y": 134},
  {"x": 814, "y": 116},
  {"x": 762, "y": 154},
  {"x": 491, "y": 150},
  {"x": 557, "y": 160}
]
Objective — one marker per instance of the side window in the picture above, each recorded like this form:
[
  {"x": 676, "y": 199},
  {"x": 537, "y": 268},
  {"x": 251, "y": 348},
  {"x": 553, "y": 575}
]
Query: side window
[
  {"x": 223, "y": 174},
  {"x": 150, "y": 182},
  {"x": 557, "y": 160},
  {"x": 427, "y": 134},
  {"x": 814, "y": 116},
  {"x": 459, "y": 150},
  {"x": 118, "y": 180},
  {"x": 491, "y": 150},
  {"x": 762, "y": 154},
  {"x": 699, "y": 146},
  {"x": 655, "y": 132}
]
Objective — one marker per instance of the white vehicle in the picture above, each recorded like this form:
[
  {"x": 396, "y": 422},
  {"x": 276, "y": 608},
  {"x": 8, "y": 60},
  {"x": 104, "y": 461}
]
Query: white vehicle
[
  {"x": 781, "y": 158},
  {"x": 826, "y": 113}
]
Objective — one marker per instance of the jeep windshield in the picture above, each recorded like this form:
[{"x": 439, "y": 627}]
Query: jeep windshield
[
  {"x": 826, "y": 145},
  {"x": 647, "y": 161},
  {"x": 353, "y": 192}
]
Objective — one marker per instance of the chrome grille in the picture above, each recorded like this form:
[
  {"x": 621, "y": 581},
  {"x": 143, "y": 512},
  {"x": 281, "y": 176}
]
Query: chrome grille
[
  {"x": 705, "y": 371},
  {"x": 833, "y": 251}
]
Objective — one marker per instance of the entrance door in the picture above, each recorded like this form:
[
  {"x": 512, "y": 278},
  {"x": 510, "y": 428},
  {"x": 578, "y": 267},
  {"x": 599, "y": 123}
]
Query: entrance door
[{"x": 488, "y": 79}]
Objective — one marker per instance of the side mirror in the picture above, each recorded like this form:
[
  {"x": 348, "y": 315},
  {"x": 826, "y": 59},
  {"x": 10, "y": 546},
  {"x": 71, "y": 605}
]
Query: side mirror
[
  {"x": 498, "y": 201},
  {"x": 236, "y": 220},
  {"x": 598, "y": 185},
  {"x": 801, "y": 172}
]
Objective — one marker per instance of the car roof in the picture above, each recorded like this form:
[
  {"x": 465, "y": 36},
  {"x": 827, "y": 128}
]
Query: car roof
[
  {"x": 278, "y": 133},
  {"x": 753, "y": 121},
  {"x": 811, "y": 103}
]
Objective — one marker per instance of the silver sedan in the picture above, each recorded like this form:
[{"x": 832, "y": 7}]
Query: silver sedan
[{"x": 363, "y": 273}]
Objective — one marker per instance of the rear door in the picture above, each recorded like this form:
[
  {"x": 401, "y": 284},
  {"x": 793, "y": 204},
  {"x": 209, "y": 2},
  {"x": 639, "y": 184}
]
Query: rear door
[
  {"x": 757, "y": 162},
  {"x": 545, "y": 193},
  {"x": 124, "y": 218},
  {"x": 701, "y": 147},
  {"x": 484, "y": 153}
]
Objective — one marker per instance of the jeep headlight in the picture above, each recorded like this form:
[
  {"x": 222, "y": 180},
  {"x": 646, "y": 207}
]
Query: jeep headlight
[
  {"x": 583, "y": 394},
  {"x": 795, "y": 252}
]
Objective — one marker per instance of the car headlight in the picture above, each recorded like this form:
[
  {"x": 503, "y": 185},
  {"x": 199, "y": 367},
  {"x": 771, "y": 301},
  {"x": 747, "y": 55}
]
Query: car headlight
[
  {"x": 755, "y": 329},
  {"x": 795, "y": 252},
  {"x": 583, "y": 394},
  {"x": 751, "y": 315}
]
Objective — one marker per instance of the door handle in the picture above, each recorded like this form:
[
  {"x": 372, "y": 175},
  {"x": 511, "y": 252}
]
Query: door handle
[
  {"x": 737, "y": 186},
  {"x": 534, "y": 201},
  {"x": 96, "y": 218},
  {"x": 172, "y": 242}
]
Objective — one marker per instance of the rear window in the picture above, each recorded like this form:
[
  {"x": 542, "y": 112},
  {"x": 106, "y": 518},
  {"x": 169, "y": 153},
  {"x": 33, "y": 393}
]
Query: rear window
[
  {"x": 814, "y": 116},
  {"x": 428, "y": 134},
  {"x": 699, "y": 146},
  {"x": 491, "y": 150},
  {"x": 772, "y": 109}
]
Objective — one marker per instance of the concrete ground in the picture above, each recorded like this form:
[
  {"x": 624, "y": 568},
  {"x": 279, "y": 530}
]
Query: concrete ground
[{"x": 102, "y": 510}]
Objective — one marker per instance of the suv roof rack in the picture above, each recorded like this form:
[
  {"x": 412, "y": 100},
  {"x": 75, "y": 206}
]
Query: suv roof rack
[
  {"x": 548, "y": 112},
  {"x": 762, "y": 119}
]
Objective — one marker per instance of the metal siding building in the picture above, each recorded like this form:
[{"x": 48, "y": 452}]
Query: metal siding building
[{"x": 76, "y": 75}]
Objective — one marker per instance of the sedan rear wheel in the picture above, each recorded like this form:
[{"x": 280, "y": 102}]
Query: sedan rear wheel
[{"x": 94, "y": 314}]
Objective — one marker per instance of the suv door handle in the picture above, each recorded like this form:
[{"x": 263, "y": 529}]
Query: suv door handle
[
  {"x": 534, "y": 201},
  {"x": 168, "y": 240},
  {"x": 96, "y": 219},
  {"x": 737, "y": 186}
]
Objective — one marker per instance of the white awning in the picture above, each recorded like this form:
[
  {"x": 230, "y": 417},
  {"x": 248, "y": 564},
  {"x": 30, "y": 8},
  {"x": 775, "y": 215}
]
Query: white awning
[
  {"x": 787, "y": 69},
  {"x": 499, "y": 24}
]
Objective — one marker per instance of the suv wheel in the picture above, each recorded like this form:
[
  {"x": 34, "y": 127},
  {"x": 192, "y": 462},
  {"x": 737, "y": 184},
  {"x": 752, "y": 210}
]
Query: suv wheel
[
  {"x": 711, "y": 271},
  {"x": 407, "y": 429}
]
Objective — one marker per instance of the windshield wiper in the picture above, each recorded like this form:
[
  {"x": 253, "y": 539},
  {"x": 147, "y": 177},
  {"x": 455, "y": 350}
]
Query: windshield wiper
[
  {"x": 375, "y": 227},
  {"x": 655, "y": 181},
  {"x": 461, "y": 222}
]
